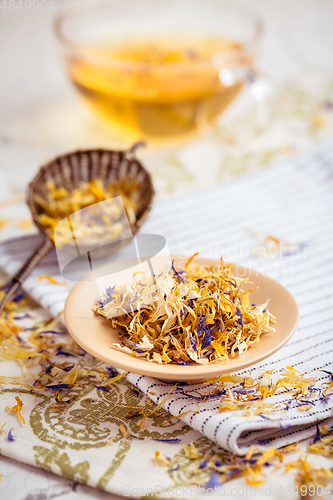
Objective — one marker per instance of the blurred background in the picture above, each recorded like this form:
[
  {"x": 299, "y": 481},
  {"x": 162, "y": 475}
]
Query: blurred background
[{"x": 42, "y": 114}]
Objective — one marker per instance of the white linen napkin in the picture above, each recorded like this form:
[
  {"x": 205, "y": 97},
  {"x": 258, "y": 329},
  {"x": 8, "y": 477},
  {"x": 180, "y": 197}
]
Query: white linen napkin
[{"x": 291, "y": 201}]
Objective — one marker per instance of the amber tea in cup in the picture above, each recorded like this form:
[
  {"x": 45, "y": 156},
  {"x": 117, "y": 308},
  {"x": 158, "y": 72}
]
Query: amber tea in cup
[{"x": 157, "y": 84}]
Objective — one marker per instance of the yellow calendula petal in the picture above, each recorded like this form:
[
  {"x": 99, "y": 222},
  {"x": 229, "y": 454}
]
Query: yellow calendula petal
[
  {"x": 310, "y": 475},
  {"x": 50, "y": 279},
  {"x": 229, "y": 406},
  {"x": 161, "y": 459},
  {"x": 191, "y": 452},
  {"x": 190, "y": 260},
  {"x": 12, "y": 351},
  {"x": 72, "y": 376},
  {"x": 250, "y": 452},
  {"x": 290, "y": 448},
  {"x": 123, "y": 430},
  {"x": 164, "y": 354},
  {"x": 272, "y": 452},
  {"x": 110, "y": 441},
  {"x": 17, "y": 408},
  {"x": 114, "y": 379},
  {"x": 254, "y": 482}
]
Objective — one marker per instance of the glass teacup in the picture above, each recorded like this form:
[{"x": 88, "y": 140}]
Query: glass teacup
[{"x": 159, "y": 71}]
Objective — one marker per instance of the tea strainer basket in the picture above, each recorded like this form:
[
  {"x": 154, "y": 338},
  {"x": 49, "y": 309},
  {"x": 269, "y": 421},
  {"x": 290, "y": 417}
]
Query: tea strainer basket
[{"x": 70, "y": 170}]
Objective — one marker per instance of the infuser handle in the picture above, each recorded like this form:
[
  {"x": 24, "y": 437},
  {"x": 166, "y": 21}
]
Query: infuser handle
[{"x": 16, "y": 281}]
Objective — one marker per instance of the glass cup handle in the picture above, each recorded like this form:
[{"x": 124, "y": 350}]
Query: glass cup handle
[
  {"x": 262, "y": 90},
  {"x": 251, "y": 112}
]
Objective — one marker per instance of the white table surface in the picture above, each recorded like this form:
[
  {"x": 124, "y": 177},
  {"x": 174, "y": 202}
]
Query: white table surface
[{"x": 33, "y": 94}]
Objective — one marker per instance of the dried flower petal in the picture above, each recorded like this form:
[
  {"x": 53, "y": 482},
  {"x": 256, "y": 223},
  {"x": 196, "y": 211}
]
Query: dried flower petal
[
  {"x": 161, "y": 459},
  {"x": 191, "y": 452},
  {"x": 17, "y": 408},
  {"x": 198, "y": 314}
]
